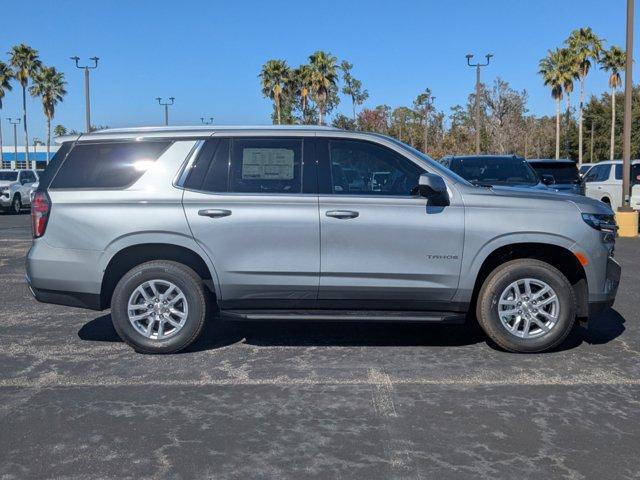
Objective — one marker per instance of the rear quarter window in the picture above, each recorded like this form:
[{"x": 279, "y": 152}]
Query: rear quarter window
[{"x": 107, "y": 164}]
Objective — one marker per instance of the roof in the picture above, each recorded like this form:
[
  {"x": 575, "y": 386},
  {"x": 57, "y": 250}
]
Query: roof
[
  {"x": 551, "y": 160},
  {"x": 468, "y": 157},
  {"x": 190, "y": 131},
  {"x": 613, "y": 162}
]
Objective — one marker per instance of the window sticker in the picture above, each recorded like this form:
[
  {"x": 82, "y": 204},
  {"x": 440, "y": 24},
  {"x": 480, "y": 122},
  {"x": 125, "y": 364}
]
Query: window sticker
[{"x": 267, "y": 164}]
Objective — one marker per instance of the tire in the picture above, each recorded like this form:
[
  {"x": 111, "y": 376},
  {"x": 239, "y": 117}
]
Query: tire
[
  {"x": 536, "y": 274},
  {"x": 16, "y": 205},
  {"x": 194, "y": 307}
]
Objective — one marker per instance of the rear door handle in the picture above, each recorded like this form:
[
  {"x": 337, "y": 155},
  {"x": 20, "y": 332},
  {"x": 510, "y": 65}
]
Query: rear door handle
[
  {"x": 342, "y": 214},
  {"x": 214, "y": 212}
]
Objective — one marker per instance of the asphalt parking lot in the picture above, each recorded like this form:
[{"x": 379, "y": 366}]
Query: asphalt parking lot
[{"x": 281, "y": 400}]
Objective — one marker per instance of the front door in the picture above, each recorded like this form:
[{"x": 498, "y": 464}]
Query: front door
[
  {"x": 246, "y": 207},
  {"x": 382, "y": 245}
]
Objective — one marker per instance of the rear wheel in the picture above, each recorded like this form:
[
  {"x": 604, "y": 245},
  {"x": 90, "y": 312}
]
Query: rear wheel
[
  {"x": 159, "y": 307},
  {"x": 526, "y": 305}
]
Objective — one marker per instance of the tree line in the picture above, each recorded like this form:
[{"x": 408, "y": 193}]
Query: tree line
[
  {"x": 309, "y": 93},
  {"x": 25, "y": 67}
]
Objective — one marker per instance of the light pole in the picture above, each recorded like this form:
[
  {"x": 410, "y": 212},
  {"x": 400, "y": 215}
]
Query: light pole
[
  {"x": 206, "y": 122},
  {"x": 15, "y": 122},
  {"x": 86, "y": 88},
  {"x": 627, "y": 217},
  {"x": 477, "y": 66},
  {"x": 166, "y": 106}
]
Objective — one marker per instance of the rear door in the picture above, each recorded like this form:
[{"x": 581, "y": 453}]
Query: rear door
[
  {"x": 252, "y": 204},
  {"x": 382, "y": 245}
]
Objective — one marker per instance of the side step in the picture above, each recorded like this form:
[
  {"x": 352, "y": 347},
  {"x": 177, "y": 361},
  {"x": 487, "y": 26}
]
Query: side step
[{"x": 344, "y": 316}]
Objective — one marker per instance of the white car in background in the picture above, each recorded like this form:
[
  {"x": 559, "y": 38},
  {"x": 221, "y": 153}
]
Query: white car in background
[
  {"x": 603, "y": 182},
  {"x": 15, "y": 189}
]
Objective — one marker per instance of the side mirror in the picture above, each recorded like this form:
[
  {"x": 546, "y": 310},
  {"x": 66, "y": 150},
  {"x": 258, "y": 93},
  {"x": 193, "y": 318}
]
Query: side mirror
[
  {"x": 24, "y": 181},
  {"x": 432, "y": 186},
  {"x": 548, "y": 179}
]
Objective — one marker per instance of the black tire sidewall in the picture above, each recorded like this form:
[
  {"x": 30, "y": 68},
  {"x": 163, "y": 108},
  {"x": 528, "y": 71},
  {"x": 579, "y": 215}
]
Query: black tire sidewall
[
  {"x": 16, "y": 201},
  {"x": 183, "y": 278},
  {"x": 500, "y": 279}
]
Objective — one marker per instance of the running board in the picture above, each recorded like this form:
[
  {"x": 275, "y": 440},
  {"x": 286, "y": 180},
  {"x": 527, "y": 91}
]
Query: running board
[{"x": 344, "y": 316}]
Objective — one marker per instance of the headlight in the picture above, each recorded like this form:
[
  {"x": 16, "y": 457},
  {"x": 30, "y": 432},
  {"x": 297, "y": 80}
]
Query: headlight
[{"x": 601, "y": 221}]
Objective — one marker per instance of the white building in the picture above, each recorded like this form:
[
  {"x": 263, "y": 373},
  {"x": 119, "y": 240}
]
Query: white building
[{"x": 37, "y": 154}]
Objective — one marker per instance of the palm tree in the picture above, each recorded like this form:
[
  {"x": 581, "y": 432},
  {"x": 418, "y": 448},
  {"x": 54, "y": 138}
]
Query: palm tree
[
  {"x": 551, "y": 70},
  {"x": 324, "y": 80},
  {"x": 568, "y": 72},
  {"x": 48, "y": 84},
  {"x": 586, "y": 47},
  {"x": 25, "y": 63},
  {"x": 274, "y": 76},
  {"x": 5, "y": 85},
  {"x": 613, "y": 61},
  {"x": 302, "y": 76}
]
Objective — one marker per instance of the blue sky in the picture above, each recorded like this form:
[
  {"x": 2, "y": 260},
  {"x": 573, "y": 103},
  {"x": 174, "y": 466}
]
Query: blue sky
[{"x": 208, "y": 54}]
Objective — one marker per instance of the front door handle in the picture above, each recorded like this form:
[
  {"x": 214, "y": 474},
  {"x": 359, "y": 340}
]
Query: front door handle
[
  {"x": 342, "y": 214},
  {"x": 214, "y": 212}
]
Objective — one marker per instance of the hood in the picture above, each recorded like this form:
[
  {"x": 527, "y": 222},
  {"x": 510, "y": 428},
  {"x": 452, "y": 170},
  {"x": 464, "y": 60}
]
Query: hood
[{"x": 525, "y": 195}]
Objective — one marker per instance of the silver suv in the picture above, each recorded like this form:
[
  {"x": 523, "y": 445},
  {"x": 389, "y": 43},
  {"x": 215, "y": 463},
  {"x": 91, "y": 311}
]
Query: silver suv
[
  {"x": 15, "y": 186},
  {"x": 167, "y": 225}
]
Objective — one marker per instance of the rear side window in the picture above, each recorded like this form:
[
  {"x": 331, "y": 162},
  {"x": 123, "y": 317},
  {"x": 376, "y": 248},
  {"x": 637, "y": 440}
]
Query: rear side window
[
  {"x": 209, "y": 170},
  {"x": 52, "y": 167},
  {"x": 635, "y": 173},
  {"x": 107, "y": 165}
]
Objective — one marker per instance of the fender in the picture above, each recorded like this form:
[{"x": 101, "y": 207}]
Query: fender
[
  {"x": 471, "y": 265},
  {"x": 162, "y": 237}
]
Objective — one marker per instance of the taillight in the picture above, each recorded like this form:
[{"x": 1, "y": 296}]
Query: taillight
[{"x": 40, "y": 208}]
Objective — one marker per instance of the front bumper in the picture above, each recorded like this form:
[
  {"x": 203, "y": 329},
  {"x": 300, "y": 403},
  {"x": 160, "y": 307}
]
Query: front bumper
[
  {"x": 605, "y": 299},
  {"x": 5, "y": 202}
]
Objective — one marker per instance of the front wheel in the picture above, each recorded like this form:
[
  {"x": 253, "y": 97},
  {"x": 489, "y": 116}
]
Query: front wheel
[
  {"x": 159, "y": 307},
  {"x": 16, "y": 205},
  {"x": 526, "y": 305}
]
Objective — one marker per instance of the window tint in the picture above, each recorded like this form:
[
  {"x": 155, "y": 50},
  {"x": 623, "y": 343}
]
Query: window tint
[
  {"x": 209, "y": 170},
  {"x": 362, "y": 168},
  {"x": 107, "y": 165},
  {"x": 54, "y": 164},
  {"x": 266, "y": 165},
  {"x": 635, "y": 173},
  {"x": 561, "y": 172},
  {"x": 29, "y": 176},
  {"x": 599, "y": 173}
]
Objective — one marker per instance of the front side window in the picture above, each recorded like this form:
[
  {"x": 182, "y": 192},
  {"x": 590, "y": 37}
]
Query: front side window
[
  {"x": 266, "y": 165},
  {"x": 363, "y": 168},
  {"x": 107, "y": 164},
  {"x": 599, "y": 173}
]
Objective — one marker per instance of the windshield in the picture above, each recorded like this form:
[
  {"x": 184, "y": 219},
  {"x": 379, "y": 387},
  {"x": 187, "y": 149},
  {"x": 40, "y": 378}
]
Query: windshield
[
  {"x": 432, "y": 163},
  {"x": 495, "y": 170},
  {"x": 562, "y": 172},
  {"x": 8, "y": 176}
]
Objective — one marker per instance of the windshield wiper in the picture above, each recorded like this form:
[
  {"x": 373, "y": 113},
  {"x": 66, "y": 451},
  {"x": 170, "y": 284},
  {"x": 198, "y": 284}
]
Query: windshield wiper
[{"x": 482, "y": 184}]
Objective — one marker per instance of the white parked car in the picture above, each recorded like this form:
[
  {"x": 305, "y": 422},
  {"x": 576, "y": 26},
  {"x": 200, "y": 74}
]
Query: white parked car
[
  {"x": 604, "y": 182},
  {"x": 15, "y": 189}
]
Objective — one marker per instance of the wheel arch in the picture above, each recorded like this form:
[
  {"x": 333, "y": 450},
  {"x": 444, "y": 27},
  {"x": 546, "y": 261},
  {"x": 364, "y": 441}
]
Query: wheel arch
[
  {"x": 130, "y": 256},
  {"x": 556, "y": 255}
]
